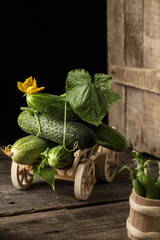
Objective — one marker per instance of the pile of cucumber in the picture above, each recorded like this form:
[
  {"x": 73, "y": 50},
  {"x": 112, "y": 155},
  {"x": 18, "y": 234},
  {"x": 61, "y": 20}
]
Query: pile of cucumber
[
  {"x": 43, "y": 119},
  {"x": 51, "y": 119},
  {"x": 55, "y": 131}
]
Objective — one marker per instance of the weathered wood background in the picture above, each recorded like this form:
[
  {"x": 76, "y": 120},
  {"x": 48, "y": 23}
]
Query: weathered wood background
[{"x": 134, "y": 62}]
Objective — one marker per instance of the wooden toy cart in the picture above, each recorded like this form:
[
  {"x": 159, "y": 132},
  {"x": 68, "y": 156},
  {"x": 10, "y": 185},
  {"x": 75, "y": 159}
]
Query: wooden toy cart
[{"x": 88, "y": 165}]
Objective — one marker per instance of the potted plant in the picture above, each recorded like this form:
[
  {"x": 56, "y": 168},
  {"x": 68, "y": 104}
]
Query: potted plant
[{"x": 144, "y": 216}]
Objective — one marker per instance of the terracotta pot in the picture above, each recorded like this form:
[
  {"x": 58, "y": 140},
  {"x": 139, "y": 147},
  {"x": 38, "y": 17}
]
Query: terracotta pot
[{"x": 144, "y": 218}]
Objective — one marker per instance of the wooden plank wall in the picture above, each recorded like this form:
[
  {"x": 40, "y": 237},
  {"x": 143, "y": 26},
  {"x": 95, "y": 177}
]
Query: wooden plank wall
[
  {"x": 133, "y": 60},
  {"x": 151, "y": 33},
  {"x": 116, "y": 46}
]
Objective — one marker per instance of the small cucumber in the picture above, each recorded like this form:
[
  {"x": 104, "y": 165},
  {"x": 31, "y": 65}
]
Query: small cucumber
[
  {"x": 58, "y": 157},
  {"x": 51, "y": 104},
  {"x": 53, "y": 129},
  {"x": 27, "y": 150}
]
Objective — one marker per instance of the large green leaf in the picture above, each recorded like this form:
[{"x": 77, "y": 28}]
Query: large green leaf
[{"x": 91, "y": 100}]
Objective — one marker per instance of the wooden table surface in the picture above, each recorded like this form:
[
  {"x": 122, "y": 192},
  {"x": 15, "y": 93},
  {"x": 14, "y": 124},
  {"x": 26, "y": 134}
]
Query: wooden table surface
[{"x": 40, "y": 213}]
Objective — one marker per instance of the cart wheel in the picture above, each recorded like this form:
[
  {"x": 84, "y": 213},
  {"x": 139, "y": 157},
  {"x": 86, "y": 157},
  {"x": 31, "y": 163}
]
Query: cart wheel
[
  {"x": 21, "y": 176},
  {"x": 84, "y": 179},
  {"x": 109, "y": 165}
]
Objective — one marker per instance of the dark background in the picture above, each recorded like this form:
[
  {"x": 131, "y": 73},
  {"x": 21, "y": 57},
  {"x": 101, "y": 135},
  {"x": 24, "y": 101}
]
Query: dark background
[{"x": 46, "y": 40}]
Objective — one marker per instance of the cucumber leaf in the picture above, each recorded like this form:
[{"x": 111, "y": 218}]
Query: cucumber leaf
[
  {"x": 91, "y": 100},
  {"x": 47, "y": 173}
]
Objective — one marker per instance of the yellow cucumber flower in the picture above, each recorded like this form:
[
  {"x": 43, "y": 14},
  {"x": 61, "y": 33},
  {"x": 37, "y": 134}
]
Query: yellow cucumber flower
[
  {"x": 29, "y": 86},
  {"x": 7, "y": 150}
]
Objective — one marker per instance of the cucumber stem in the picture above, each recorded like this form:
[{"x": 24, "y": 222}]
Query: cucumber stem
[
  {"x": 31, "y": 110},
  {"x": 126, "y": 167},
  {"x": 148, "y": 161},
  {"x": 44, "y": 160}
]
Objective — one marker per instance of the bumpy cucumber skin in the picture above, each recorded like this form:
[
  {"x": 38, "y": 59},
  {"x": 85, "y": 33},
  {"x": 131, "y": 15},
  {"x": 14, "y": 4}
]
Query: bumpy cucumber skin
[
  {"x": 58, "y": 157},
  {"x": 53, "y": 129},
  {"x": 27, "y": 150},
  {"x": 109, "y": 137},
  {"x": 52, "y": 105}
]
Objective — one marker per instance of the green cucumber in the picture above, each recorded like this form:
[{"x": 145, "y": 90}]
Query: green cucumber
[
  {"x": 109, "y": 137},
  {"x": 58, "y": 157},
  {"x": 51, "y": 104},
  {"x": 53, "y": 129},
  {"x": 27, "y": 150}
]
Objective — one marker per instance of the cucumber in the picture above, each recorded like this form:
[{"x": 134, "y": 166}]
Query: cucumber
[
  {"x": 27, "y": 150},
  {"x": 109, "y": 137},
  {"x": 53, "y": 129},
  {"x": 58, "y": 157},
  {"x": 51, "y": 104}
]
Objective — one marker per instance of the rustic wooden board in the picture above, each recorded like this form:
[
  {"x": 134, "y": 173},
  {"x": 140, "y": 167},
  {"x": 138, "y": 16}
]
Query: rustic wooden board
[
  {"x": 41, "y": 197},
  {"x": 151, "y": 34},
  {"x": 140, "y": 106},
  {"x": 137, "y": 66},
  {"x": 133, "y": 33},
  {"x": 140, "y": 78},
  {"x": 115, "y": 32},
  {"x": 142, "y": 121},
  {"x": 116, "y": 56},
  {"x": 97, "y": 222}
]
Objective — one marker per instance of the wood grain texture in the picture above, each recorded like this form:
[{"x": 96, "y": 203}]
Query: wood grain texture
[
  {"x": 134, "y": 118},
  {"x": 143, "y": 222},
  {"x": 115, "y": 32},
  {"x": 142, "y": 120},
  {"x": 96, "y": 222},
  {"x": 138, "y": 75},
  {"x": 140, "y": 78},
  {"x": 134, "y": 33},
  {"x": 116, "y": 56},
  {"x": 151, "y": 20}
]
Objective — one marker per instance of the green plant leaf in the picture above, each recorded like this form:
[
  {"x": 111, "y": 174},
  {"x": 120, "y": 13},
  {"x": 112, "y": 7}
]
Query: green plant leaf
[
  {"x": 47, "y": 174},
  {"x": 35, "y": 172},
  {"x": 91, "y": 100}
]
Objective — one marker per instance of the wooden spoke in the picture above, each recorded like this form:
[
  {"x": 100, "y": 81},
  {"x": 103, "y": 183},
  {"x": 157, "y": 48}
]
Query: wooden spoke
[
  {"x": 111, "y": 165},
  {"x": 108, "y": 162},
  {"x": 21, "y": 176},
  {"x": 84, "y": 179}
]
